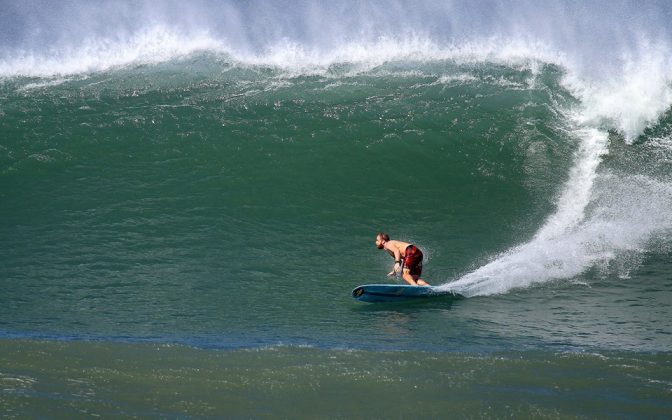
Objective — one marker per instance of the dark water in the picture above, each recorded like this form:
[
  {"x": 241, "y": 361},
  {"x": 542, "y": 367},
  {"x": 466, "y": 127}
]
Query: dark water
[{"x": 222, "y": 206}]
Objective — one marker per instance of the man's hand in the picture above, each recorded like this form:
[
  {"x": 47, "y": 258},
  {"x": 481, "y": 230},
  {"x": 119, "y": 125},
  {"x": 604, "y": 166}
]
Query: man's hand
[{"x": 395, "y": 270}]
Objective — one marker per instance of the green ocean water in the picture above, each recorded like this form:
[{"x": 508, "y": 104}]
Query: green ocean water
[
  {"x": 239, "y": 207},
  {"x": 218, "y": 205},
  {"x": 180, "y": 231},
  {"x": 106, "y": 380},
  {"x": 226, "y": 207}
]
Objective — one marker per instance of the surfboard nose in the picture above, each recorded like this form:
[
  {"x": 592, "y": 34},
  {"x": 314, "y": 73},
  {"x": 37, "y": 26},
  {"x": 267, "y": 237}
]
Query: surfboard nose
[{"x": 357, "y": 291}]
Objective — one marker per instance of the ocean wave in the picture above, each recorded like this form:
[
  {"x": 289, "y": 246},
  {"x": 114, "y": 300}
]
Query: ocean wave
[
  {"x": 628, "y": 98},
  {"x": 622, "y": 84},
  {"x": 159, "y": 44}
]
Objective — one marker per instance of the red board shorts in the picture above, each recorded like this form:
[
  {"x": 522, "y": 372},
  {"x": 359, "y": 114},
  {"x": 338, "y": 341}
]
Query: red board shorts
[{"x": 413, "y": 260}]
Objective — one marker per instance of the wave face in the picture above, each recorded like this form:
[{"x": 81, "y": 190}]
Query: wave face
[{"x": 168, "y": 161}]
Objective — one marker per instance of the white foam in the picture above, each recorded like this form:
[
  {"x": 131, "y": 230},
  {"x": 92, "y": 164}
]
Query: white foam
[
  {"x": 43, "y": 84},
  {"x": 633, "y": 96},
  {"x": 576, "y": 194},
  {"x": 158, "y": 43},
  {"x": 153, "y": 45},
  {"x": 453, "y": 78}
]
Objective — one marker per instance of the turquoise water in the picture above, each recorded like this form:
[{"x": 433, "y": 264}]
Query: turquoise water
[
  {"x": 162, "y": 191},
  {"x": 95, "y": 379}
]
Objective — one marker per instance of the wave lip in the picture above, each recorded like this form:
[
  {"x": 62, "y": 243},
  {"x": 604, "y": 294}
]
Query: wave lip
[
  {"x": 151, "y": 46},
  {"x": 159, "y": 43}
]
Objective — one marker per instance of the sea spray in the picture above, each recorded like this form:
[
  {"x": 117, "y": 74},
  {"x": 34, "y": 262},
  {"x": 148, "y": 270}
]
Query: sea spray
[{"x": 555, "y": 251}]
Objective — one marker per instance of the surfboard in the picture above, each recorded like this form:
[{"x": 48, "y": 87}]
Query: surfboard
[{"x": 398, "y": 292}]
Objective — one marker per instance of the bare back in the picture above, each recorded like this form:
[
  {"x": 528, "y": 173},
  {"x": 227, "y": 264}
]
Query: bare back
[{"x": 399, "y": 246}]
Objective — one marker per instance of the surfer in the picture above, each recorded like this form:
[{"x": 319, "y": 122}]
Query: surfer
[{"x": 409, "y": 254}]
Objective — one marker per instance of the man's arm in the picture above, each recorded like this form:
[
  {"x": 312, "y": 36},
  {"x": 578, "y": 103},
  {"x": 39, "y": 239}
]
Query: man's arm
[{"x": 397, "y": 258}]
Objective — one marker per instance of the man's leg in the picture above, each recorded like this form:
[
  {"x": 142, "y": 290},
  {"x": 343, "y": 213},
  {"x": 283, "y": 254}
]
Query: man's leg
[
  {"x": 421, "y": 282},
  {"x": 409, "y": 279}
]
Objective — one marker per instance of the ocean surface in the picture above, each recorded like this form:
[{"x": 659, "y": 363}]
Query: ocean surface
[{"x": 189, "y": 193}]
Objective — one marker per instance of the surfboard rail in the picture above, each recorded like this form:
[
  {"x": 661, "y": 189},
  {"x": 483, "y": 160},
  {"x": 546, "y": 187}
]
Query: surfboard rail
[{"x": 398, "y": 292}]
